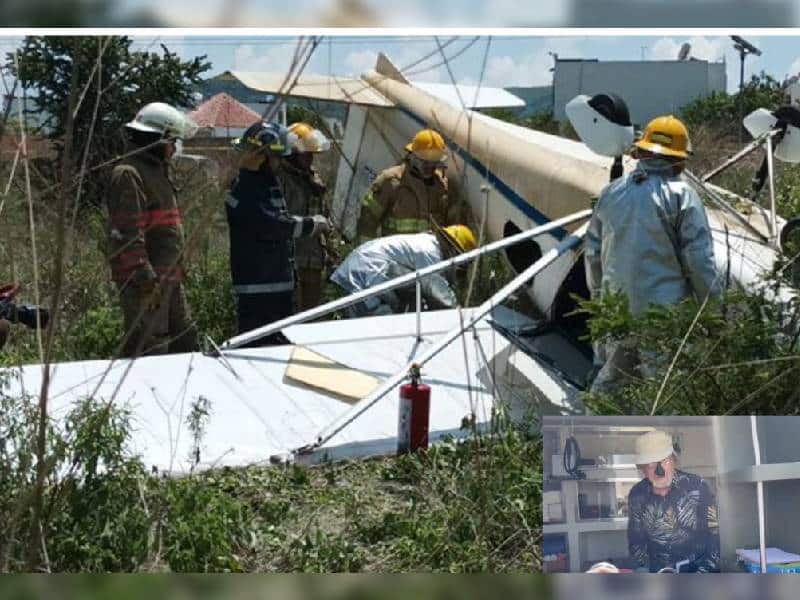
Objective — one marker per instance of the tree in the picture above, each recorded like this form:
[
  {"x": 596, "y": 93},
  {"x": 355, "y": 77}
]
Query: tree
[
  {"x": 721, "y": 109},
  {"x": 540, "y": 121},
  {"x": 112, "y": 82}
]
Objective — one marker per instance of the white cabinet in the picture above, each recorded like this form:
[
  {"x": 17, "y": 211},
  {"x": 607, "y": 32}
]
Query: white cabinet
[{"x": 779, "y": 473}]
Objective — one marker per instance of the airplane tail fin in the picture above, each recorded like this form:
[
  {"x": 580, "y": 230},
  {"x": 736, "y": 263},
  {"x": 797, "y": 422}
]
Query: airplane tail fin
[{"x": 386, "y": 67}]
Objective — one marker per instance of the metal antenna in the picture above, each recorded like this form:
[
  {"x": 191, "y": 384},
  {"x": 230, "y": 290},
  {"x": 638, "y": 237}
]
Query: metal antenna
[{"x": 743, "y": 47}]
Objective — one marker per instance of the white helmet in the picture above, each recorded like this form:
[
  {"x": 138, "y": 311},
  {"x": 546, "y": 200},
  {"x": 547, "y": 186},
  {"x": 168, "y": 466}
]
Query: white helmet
[
  {"x": 161, "y": 118},
  {"x": 305, "y": 138}
]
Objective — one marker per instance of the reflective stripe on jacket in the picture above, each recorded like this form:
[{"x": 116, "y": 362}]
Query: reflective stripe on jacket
[
  {"x": 145, "y": 225},
  {"x": 262, "y": 234},
  {"x": 401, "y": 202},
  {"x": 304, "y": 191}
]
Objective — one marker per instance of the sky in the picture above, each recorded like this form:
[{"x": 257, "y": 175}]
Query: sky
[{"x": 510, "y": 60}]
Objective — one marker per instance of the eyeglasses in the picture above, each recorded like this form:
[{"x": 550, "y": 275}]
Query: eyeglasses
[{"x": 653, "y": 466}]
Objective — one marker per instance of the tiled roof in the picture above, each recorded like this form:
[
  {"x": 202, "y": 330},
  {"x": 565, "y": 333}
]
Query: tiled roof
[{"x": 223, "y": 110}]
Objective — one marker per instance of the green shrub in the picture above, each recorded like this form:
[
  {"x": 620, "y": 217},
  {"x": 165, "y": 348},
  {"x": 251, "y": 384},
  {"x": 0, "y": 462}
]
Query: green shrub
[
  {"x": 726, "y": 111},
  {"x": 94, "y": 335},
  {"x": 737, "y": 356}
]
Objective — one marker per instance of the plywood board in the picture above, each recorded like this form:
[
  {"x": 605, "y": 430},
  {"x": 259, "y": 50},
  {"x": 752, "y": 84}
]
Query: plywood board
[{"x": 328, "y": 376}]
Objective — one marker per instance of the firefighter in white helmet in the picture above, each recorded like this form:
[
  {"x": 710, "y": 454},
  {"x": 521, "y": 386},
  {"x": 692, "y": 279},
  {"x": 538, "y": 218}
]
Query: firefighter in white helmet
[
  {"x": 146, "y": 235},
  {"x": 649, "y": 238},
  {"x": 382, "y": 259},
  {"x": 305, "y": 192}
]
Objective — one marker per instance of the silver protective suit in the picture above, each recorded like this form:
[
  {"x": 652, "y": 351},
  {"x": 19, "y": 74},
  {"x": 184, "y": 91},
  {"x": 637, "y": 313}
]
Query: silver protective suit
[
  {"x": 385, "y": 258},
  {"x": 649, "y": 238}
]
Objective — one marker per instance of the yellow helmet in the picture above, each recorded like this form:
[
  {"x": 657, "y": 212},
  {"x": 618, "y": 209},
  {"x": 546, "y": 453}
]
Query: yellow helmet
[
  {"x": 667, "y": 136},
  {"x": 461, "y": 236},
  {"x": 305, "y": 138},
  {"x": 427, "y": 145}
]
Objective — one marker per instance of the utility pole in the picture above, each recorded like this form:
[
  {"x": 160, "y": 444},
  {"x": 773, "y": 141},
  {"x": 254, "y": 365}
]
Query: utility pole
[{"x": 743, "y": 47}]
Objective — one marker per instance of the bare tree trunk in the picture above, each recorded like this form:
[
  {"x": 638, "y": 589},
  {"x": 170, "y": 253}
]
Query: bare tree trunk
[
  {"x": 37, "y": 540},
  {"x": 7, "y": 107}
]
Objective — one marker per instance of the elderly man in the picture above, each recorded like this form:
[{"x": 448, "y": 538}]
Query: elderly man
[{"x": 672, "y": 515}]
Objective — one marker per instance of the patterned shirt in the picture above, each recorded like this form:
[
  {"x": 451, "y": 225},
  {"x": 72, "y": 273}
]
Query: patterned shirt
[{"x": 663, "y": 530}]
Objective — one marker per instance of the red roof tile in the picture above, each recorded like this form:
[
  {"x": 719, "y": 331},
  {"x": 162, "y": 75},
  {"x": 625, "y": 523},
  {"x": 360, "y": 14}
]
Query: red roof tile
[{"x": 223, "y": 110}]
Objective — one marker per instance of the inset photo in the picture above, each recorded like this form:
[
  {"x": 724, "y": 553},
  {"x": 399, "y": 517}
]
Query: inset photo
[{"x": 670, "y": 494}]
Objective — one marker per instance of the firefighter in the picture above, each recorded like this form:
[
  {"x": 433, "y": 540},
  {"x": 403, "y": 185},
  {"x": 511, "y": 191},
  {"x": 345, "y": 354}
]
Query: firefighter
[
  {"x": 409, "y": 197},
  {"x": 304, "y": 191},
  {"x": 262, "y": 231},
  {"x": 385, "y": 258},
  {"x": 146, "y": 236},
  {"x": 649, "y": 238}
]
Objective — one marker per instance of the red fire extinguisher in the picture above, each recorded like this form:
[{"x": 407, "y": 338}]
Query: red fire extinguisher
[{"x": 413, "y": 415}]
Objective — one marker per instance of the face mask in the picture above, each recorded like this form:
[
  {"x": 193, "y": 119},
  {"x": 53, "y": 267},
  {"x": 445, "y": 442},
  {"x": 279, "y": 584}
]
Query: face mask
[{"x": 657, "y": 164}]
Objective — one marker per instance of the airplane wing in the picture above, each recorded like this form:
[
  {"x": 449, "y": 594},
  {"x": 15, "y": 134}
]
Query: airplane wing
[
  {"x": 316, "y": 87},
  {"x": 356, "y": 91},
  {"x": 258, "y": 414}
]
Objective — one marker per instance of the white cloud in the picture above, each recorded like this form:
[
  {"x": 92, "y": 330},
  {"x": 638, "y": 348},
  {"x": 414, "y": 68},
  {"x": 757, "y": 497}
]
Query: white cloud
[
  {"x": 358, "y": 61},
  {"x": 753, "y": 65},
  {"x": 794, "y": 68},
  {"x": 701, "y": 47},
  {"x": 712, "y": 49},
  {"x": 429, "y": 70},
  {"x": 8, "y": 44},
  {"x": 529, "y": 70},
  {"x": 266, "y": 57}
]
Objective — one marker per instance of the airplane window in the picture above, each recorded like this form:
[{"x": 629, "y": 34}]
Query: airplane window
[{"x": 522, "y": 255}]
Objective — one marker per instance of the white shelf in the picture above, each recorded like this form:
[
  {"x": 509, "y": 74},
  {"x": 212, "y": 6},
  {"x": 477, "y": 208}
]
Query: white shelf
[
  {"x": 587, "y": 525},
  {"x": 764, "y": 472}
]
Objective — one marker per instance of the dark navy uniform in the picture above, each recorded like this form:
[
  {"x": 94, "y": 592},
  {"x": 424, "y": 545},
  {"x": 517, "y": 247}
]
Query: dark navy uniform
[{"x": 262, "y": 234}]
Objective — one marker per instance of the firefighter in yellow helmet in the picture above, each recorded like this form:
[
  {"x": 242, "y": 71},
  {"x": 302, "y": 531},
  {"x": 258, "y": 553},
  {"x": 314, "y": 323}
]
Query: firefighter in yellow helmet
[
  {"x": 649, "y": 238},
  {"x": 305, "y": 191},
  {"x": 409, "y": 197},
  {"x": 379, "y": 260}
]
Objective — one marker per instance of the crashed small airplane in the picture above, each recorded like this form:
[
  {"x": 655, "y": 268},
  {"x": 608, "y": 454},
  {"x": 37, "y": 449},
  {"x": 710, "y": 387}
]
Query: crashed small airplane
[{"x": 333, "y": 392}]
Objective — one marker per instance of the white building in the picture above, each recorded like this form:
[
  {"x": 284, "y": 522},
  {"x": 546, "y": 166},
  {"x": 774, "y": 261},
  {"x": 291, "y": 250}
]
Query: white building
[{"x": 650, "y": 88}]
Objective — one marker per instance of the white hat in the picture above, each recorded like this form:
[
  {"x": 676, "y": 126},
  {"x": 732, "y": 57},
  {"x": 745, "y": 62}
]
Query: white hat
[
  {"x": 653, "y": 446},
  {"x": 603, "y": 567}
]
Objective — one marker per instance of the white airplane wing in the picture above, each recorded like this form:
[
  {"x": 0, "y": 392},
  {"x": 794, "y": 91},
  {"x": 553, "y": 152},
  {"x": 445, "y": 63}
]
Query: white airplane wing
[
  {"x": 317, "y": 87},
  {"x": 257, "y": 414}
]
